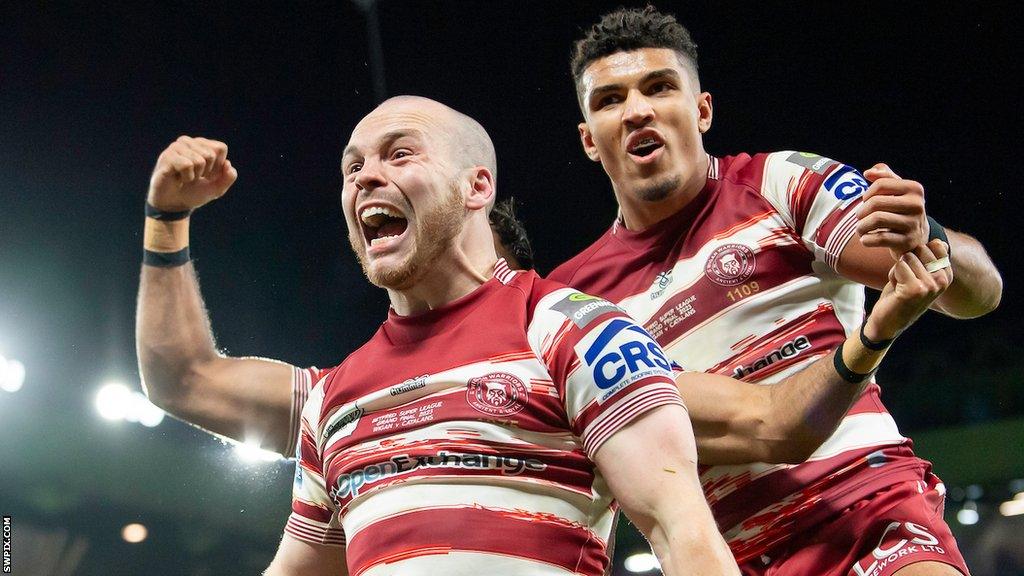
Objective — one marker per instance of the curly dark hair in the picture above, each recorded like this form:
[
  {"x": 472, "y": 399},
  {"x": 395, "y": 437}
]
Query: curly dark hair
[
  {"x": 629, "y": 29},
  {"x": 512, "y": 233}
]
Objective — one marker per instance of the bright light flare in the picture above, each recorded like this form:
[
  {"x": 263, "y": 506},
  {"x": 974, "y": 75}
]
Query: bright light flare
[
  {"x": 1013, "y": 507},
  {"x": 115, "y": 401},
  {"x": 12, "y": 375},
  {"x": 134, "y": 533},
  {"x": 250, "y": 451},
  {"x": 967, "y": 516},
  {"x": 641, "y": 562}
]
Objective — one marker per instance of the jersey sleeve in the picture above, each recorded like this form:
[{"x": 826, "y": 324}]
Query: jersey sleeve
[
  {"x": 314, "y": 518},
  {"x": 608, "y": 369},
  {"x": 303, "y": 380},
  {"x": 818, "y": 197}
]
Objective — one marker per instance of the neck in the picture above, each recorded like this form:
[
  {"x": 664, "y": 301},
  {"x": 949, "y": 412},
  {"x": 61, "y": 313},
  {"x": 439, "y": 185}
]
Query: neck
[
  {"x": 638, "y": 215},
  {"x": 464, "y": 267}
]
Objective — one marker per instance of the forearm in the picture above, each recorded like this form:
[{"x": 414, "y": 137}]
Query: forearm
[
  {"x": 977, "y": 285},
  {"x": 694, "y": 548},
  {"x": 806, "y": 408},
  {"x": 173, "y": 335}
]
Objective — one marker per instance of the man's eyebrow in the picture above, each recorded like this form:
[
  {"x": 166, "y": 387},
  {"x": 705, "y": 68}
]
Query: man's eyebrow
[
  {"x": 384, "y": 141},
  {"x": 652, "y": 75}
]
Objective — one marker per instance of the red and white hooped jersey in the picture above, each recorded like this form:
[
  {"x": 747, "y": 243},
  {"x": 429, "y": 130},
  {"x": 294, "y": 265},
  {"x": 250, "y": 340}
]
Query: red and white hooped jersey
[
  {"x": 742, "y": 282},
  {"x": 459, "y": 441}
]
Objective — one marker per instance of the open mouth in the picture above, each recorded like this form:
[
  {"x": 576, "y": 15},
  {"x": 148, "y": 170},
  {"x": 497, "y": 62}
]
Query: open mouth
[
  {"x": 382, "y": 224},
  {"x": 644, "y": 145}
]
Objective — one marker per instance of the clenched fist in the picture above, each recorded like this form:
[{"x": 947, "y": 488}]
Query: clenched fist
[{"x": 189, "y": 173}]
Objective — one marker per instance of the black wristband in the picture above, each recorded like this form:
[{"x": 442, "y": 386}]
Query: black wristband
[
  {"x": 166, "y": 259},
  {"x": 935, "y": 230},
  {"x": 844, "y": 371},
  {"x": 876, "y": 345},
  {"x": 156, "y": 214}
]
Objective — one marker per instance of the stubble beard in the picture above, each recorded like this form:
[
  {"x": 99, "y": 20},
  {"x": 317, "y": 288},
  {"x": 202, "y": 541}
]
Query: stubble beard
[
  {"x": 436, "y": 231},
  {"x": 660, "y": 190}
]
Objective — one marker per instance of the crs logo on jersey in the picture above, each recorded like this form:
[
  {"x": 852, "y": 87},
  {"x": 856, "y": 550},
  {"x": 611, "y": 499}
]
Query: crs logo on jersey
[
  {"x": 845, "y": 183},
  {"x": 624, "y": 353}
]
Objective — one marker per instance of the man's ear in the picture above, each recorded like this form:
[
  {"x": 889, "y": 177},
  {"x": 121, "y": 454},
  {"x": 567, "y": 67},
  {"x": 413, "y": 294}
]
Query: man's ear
[
  {"x": 704, "y": 112},
  {"x": 587, "y": 139},
  {"x": 481, "y": 188}
]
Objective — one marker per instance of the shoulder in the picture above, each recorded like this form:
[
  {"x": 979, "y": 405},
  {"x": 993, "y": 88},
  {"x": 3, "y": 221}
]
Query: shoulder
[{"x": 566, "y": 272}]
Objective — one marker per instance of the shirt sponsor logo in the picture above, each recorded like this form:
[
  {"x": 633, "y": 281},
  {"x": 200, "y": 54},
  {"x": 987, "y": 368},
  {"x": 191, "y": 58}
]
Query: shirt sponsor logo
[
  {"x": 730, "y": 265},
  {"x": 787, "y": 350},
  {"x": 583, "y": 309},
  {"x": 617, "y": 361},
  {"x": 845, "y": 183},
  {"x": 409, "y": 385},
  {"x": 813, "y": 162},
  {"x": 352, "y": 484},
  {"x": 893, "y": 545},
  {"x": 497, "y": 394},
  {"x": 344, "y": 418}
]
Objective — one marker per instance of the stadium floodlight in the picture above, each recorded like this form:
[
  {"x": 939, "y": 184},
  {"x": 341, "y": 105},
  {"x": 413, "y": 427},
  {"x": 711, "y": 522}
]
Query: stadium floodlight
[
  {"x": 12, "y": 374},
  {"x": 1013, "y": 507},
  {"x": 968, "y": 515},
  {"x": 641, "y": 562},
  {"x": 115, "y": 401},
  {"x": 134, "y": 533},
  {"x": 250, "y": 451}
]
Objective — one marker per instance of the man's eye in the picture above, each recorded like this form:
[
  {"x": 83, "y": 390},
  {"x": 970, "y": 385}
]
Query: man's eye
[
  {"x": 661, "y": 87},
  {"x": 608, "y": 100},
  {"x": 399, "y": 154},
  {"x": 354, "y": 167}
]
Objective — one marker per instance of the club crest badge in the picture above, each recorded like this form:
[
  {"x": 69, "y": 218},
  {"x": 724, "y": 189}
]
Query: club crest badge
[
  {"x": 497, "y": 394},
  {"x": 730, "y": 265}
]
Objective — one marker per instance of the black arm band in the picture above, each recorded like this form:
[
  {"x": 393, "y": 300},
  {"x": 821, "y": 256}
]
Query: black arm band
[
  {"x": 873, "y": 344},
  {"x": 844, "y": 371},
  {"x": 166, "y": 259},
  {"x": 154, "y": 213},
  {"x": 935, "y": 230}
]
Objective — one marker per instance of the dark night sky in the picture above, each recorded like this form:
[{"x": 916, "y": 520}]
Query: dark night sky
[{"x": 91, "y": 93}]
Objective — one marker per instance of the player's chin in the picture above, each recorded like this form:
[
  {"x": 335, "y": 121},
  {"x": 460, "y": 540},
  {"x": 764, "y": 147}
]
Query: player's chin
[{"x": 391, "y": 271}]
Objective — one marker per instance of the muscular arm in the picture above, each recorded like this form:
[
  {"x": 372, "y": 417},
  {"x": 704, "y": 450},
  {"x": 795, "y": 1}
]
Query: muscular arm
[
  {"x": 297, "y": 558},
  {"x": 651, "y": 468},
  {"x": 977, "y": 287},
  {"x": 182, "y": 371},
  {"x": 737, "y": 422},
  {"x": 892, "y": 221}
]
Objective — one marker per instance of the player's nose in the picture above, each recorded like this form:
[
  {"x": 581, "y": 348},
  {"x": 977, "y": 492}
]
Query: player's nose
[
  {"x": 370, "y": 175},
  {"x": 637, "y": 111}
]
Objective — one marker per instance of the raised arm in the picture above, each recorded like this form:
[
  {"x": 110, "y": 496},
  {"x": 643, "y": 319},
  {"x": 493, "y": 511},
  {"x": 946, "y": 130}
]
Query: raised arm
[
  {"x": 651, "y": 468},
  {"x": 737, "y": 422},
  {"x": 892, "y": 221},
  {"x": 246, "y": 399}
]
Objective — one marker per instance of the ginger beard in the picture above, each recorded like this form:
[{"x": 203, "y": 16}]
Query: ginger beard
[{"x": 436, "y": 230}]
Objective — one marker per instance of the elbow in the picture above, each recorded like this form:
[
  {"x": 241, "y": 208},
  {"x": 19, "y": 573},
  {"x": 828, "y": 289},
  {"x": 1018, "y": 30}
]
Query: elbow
[{"x": 167, "y": 383}]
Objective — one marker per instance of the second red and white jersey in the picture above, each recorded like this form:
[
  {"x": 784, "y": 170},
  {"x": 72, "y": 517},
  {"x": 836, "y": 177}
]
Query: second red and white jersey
[
  {"x": 459, "y": 441},
  {"x": 742, "y": 282}
]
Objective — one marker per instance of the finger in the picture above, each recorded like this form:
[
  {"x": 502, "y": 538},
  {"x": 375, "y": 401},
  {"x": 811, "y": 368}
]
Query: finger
[
  {"x": 902, "y": 274},
  {"x": 925, "y": 254},
  {"x": 897, "y": 242},
  {"x": 206, "y": 152},
  {"x": 184, "y": 168},
  {"x": 894, "y": 187},
  {"x": 220, "y": 151},
  {"x": 876, "y": 221},
  {"x": 939, "y": 248},
  {"x": 880, "y": 170},
  {"x": 198, "y": 161},
  {"x": 906, "y": 204}
]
